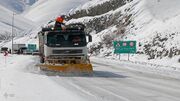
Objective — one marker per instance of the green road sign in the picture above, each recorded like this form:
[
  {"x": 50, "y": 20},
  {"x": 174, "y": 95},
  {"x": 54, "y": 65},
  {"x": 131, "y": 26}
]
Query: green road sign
[
  {"x": 31, "y": 47},
  {"x": 123, "y": 47}
]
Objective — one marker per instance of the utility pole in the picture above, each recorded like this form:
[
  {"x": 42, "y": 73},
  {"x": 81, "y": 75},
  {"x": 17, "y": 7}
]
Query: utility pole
[{"x": 12, "y": 36}]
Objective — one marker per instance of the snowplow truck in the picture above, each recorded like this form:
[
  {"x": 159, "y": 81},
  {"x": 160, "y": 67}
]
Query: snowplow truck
[{"x": 65, "y": 50}]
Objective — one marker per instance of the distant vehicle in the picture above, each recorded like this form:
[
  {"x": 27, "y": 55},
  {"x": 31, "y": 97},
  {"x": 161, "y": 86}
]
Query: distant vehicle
[
  {"x": 3, "y": 49},
  {"x": 32, "y": 48},
  {"x": 22, "y": 50},
  {"x": 17, "y": 47}
]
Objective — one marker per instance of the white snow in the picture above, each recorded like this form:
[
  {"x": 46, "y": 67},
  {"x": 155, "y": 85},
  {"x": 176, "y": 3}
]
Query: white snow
[
  {"x": 112, "y": 80},
  {"x": 155, "y": 16},
  {"x": 20, "y": 23},
  {"x": 88, "y": 5},
  {"x": 41, "y": 12},
  {"x": 13, "y": 5},
  {"x": 149, "y": 18},
  {"x": 45, "y": 10},
  {"x": 20, "y": 81}
]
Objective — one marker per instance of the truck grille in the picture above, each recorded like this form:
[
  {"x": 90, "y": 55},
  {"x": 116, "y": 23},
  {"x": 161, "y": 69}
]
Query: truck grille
[{"x": 67, "y": 51}]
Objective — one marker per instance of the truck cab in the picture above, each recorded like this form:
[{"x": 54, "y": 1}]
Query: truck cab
[
  {"x": 64, "y": 46},
  {"x": 65, "y": 50}
]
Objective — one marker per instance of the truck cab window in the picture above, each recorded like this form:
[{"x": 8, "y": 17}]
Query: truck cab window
[{"x": 66, "y": 40}]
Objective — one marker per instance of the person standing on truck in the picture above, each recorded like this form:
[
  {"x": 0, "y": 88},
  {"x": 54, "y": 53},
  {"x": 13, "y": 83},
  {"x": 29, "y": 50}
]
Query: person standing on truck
[{"x": 60, "y": 22}]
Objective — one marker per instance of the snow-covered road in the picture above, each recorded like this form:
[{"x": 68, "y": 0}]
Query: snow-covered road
[{"x": 21, "y": 81}]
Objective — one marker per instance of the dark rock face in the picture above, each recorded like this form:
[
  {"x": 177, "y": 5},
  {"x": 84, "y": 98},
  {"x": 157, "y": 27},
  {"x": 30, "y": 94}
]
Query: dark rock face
[
  {"x": 102, "y": 22},
  {"x": 99, "y": 9},
  {"x": 101, "y": 19}
]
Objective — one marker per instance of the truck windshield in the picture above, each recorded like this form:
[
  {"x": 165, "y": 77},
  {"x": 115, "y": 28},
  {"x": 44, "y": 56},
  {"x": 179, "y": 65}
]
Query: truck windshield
[{"x": 66, "y": 39}]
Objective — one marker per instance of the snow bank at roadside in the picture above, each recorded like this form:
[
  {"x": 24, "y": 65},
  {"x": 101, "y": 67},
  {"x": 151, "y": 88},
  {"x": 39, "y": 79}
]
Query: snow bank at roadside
[{"x": 140, "y": 66}]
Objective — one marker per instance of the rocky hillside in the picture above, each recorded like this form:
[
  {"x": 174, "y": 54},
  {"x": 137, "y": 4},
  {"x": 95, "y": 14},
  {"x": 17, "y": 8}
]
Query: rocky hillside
[
  {"x": 106, "y": 21},
  {"x": 96, "y": 7},
  {"x": 152, "y": 23}
]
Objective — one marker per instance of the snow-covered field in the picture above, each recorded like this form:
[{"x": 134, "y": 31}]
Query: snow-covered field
[{"x": 112, "y": 80}]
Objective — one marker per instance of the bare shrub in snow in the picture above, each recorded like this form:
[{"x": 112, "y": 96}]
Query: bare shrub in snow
[
  {"x": 103, "y": 23},
  {"x": 108, "y": 39},
  {"x": 157, "y": 49},
  {"x": 94, "y": 49}
]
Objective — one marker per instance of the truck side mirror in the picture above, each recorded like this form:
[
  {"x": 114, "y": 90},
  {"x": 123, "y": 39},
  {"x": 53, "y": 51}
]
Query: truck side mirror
[{"x": 90, "y": 38}]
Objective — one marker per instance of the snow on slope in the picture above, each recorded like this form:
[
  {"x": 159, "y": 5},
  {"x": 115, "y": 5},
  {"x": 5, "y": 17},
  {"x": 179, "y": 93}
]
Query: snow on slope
[
  {"x": 154, "y": 15},
  {"x": 88, "y": 5},
  {"x": 15, "y": 5},
  {"x": 150, "y": 18},
  {"x": 22, "y": 26},
  {"x": 20, "y": 23},
  {"x": 45, "y": 10},
  {"x": 157, "y": 27},
  {"x": 153, "y": 22}
]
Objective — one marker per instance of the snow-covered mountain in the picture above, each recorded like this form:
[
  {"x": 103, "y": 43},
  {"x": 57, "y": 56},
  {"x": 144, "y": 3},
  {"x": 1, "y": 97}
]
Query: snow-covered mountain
[
  {"x": 45, "y": 10},
  {"x": 153, "y": 74},
  {"x": 154, "y": 24},
  {"x": 41, "y": 12},
  {"x": 20, "y": 23},
  {"x": 16, "y": 5}
]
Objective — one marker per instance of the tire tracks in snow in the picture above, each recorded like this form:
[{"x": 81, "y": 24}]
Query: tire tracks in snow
[{"x": 112, "y": 83}]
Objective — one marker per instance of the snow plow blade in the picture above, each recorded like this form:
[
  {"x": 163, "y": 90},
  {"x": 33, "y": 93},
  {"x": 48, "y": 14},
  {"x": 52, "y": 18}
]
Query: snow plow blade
[{"x": 68, "y": 68}]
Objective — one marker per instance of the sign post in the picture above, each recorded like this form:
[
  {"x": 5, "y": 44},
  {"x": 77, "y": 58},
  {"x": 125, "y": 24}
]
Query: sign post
[{"x": 125, "y": 47}]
